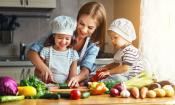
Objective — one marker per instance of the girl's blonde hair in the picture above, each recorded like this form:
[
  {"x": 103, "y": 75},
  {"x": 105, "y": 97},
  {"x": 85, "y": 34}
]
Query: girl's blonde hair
[{"x": 97, "y": 11}]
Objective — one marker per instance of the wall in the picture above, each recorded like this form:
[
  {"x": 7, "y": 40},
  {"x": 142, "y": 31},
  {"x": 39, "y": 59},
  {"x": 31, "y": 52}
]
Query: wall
[
  {"x": 129, "y": 9},
  {"x": 33, "y": 28}
]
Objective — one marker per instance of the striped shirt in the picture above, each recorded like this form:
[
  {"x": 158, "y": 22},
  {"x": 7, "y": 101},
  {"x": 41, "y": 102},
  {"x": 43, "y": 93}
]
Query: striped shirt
[{"x": 132, "y": 57}]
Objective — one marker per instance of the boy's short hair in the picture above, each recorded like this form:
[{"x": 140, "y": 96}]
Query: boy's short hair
[
  {"x": 124, "y": 28},
  {"x": 63, "y": 25}
]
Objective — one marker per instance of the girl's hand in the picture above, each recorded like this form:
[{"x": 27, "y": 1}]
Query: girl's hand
[
  {"x": 45, "y": 75},
  {"x": 104, "y": 74},
  {"x": 73, "y": 82}
]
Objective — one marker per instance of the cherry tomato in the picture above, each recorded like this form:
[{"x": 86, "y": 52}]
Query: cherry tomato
[{"x": 75, "y": 94}]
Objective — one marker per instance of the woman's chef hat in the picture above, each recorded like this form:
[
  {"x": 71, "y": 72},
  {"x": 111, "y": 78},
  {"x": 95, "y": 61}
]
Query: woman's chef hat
[
  {"x": 63, "y": 25},
  {"x": 124, "y": 28}
]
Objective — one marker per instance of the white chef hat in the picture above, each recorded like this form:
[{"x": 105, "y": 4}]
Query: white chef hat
[
  {"x": 124, "y": 28},
  {"x": 63, "y": 25}
]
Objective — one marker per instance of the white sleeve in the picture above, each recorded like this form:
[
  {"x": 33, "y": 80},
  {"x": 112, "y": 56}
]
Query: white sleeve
[
  {"x": 44, "y": 52},
  {"x": 76, "y": 56}
]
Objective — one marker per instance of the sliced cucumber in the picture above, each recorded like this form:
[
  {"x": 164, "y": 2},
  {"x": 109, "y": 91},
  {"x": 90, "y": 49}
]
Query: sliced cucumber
[
  {"x": 11, "y": 98},
  {"x": 85, "y": 95},
  {"x": 63, "y": 86}
]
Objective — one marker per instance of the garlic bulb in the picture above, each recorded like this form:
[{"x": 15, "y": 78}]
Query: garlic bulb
[{"x": 125, "y": 93}]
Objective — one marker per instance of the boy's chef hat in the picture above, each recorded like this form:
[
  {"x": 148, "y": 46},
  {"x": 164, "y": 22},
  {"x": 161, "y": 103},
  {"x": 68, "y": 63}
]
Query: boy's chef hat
[
  {"x": 63, "y": 25},
  {"x": 124, "y": 28}
]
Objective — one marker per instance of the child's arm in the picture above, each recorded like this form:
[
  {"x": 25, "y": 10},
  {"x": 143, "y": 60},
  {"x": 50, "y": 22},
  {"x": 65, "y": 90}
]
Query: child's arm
[
  {"x": 108, "y": 66},
  {"x": 119, "y": 69},
  {"x": 111, "y": 65},
  {"x": 72, "y": 73},
  {"x": 115, "y": 70}
]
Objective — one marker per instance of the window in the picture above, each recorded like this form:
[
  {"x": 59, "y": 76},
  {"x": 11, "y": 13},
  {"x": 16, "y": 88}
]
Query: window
[{"x": 157, "y": 32}]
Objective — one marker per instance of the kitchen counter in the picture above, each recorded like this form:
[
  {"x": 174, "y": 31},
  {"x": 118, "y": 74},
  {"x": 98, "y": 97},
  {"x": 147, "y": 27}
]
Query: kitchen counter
[
  {"x": 18, "y": 63},
  {"x": 97, "y": 100}
]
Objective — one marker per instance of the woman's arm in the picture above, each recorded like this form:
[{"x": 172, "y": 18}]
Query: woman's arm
[
  {"x": 41, "y": 68},
  {"x": 84, "y": 73}
]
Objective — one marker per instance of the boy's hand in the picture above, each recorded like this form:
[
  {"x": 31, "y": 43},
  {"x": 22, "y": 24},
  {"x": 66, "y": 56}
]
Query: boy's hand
[{"x": 104, "y": 74}]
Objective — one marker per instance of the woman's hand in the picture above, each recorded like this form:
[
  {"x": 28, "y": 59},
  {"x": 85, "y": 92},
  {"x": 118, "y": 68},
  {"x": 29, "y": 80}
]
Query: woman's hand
[{"x": 74, "y": 82}]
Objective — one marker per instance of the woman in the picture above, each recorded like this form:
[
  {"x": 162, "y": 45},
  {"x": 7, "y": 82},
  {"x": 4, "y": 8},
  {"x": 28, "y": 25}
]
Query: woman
[{"x": 90, "y": 31}]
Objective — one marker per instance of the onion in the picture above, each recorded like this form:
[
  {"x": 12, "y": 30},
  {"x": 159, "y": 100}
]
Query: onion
[{"x": 8, "y": 86}]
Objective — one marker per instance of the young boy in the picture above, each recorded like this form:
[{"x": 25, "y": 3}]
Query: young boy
[{"x": 127, "y": 60}]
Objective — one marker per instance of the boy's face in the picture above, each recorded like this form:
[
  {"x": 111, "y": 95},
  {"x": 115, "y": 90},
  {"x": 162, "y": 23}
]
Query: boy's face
[
  {"x": 62, "y": 41},
  {"x": 116, "y": 39}
]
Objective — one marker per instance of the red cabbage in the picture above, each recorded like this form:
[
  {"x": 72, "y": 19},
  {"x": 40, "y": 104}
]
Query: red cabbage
[{"x": 8, "y": 86}]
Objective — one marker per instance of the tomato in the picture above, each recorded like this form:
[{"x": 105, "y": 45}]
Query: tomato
[{"x": 75, "y": 94}]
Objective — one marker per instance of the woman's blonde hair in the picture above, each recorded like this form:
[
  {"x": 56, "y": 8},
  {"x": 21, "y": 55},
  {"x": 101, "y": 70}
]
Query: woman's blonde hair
[{"x": 97, "y": 11}]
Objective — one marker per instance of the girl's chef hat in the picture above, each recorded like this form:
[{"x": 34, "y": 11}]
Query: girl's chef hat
[
  {"x": 63, "y": 25},
  {"x": 124, "y": 28}
]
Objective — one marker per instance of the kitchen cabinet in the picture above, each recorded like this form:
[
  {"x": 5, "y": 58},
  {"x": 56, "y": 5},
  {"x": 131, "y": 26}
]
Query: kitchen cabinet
[
  {"x": 17, "y": 73},
  {"x": 28, "y": 3}
]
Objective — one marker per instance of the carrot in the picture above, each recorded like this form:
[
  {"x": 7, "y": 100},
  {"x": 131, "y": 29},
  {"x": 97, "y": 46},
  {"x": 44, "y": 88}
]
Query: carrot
[
  {"x": 135, "y": 92},
  {"x": 143, "y": 92}
]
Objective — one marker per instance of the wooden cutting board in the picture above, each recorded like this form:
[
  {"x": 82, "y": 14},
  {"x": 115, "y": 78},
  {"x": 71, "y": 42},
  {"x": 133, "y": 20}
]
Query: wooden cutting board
[{"x": 56, "y": 90}]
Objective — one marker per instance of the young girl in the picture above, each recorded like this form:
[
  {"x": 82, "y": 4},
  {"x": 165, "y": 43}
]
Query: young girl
[
  {"x": 58, "y": 56},
  {"x": 127, "y": 60}
]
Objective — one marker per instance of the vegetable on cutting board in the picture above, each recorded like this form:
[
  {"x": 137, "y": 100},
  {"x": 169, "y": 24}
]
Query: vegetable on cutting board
[
  {"x": 11, "y": 98},
  {"x": 63, "y": 86},
  {"x": 51, "y": 96}
]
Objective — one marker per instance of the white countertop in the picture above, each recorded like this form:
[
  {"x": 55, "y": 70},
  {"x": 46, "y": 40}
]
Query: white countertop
[
  {"x": 16, "y": 64},
  {"x": 99, "y": 61}
]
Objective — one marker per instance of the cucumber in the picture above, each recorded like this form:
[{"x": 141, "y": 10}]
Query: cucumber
[
  {"x": 65, "y": 95},
  {"x": 63, "y": 86},
  {"x": 85, "y": 95},
  {"x": 11, "y": 98},
  {"x": 51, "y": 96}
]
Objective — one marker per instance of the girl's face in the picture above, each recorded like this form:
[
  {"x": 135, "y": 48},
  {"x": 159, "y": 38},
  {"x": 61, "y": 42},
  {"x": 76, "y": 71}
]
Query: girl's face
[
  {"x": 62, "y": 41},
  {"x": 117, "y": 40},
  {"x": 86, "y": 25}
]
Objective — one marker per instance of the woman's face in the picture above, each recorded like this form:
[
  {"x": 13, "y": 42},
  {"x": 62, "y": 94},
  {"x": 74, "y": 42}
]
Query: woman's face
[
  {"x": 86, "y": 25},
  {"x": 117, "y": 40},
  {"x": 62, "y": 41}
]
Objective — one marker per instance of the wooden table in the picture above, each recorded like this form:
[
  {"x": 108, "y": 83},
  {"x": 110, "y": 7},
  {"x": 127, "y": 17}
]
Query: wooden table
[{"x": 97, "y": 100}]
